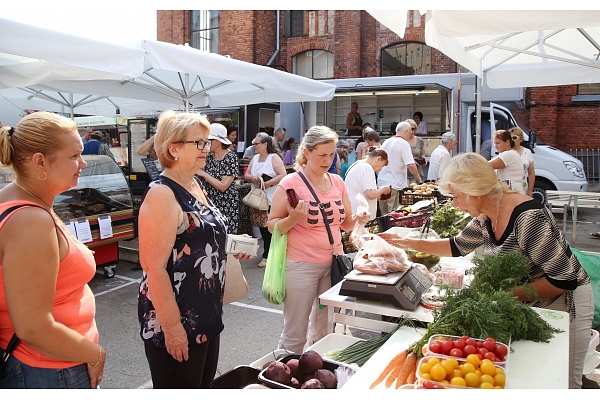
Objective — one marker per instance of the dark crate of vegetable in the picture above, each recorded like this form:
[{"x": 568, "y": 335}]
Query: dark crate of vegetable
[
  {"x": 415, "y": 220},
  {"x": 237, "y": 378},
  {"x": 408, "y": 197},
  {"x": 327, "y": 364}
]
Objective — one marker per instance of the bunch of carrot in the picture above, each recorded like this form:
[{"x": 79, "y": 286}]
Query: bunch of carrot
[{"x": 402, "y": 369}]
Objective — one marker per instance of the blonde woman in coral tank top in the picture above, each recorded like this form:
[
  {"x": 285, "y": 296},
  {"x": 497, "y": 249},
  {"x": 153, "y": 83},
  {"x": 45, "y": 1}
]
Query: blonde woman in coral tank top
[{"x": 44, "y": 270}]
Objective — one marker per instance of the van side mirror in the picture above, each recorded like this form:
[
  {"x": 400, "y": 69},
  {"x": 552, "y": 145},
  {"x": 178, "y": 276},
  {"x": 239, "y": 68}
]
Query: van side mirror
[{"x": 531, "y": 141}]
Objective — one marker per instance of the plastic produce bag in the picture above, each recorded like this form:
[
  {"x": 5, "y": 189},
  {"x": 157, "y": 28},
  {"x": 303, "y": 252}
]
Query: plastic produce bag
[
  {"x": 359, "y": 230},
  {"x": 273, "y": 287},
  {"x": 378, "y": 257}
]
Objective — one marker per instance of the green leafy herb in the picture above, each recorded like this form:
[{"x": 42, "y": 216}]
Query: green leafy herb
[
  {"x": 499, "y": 315},
  {"x": 447, "y": 221},
  {"x": 502, "y": 272}
]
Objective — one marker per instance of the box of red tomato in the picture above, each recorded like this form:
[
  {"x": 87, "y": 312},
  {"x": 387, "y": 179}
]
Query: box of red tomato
[{"x": 460, "y": 347}]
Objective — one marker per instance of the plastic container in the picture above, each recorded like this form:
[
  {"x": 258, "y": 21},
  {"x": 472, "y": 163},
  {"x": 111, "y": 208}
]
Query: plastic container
[
  {"x": 238, "y": 378},
  {"x": 462, "y": 359},
  {"x": 327, "y": 364},
  {"x": 275, "y": 355},
  {"x": 594, "y": 340},
  {"x": 421, "y": 380}
]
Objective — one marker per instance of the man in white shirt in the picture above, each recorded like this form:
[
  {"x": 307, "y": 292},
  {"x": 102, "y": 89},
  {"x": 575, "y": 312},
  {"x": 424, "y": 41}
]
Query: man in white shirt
[
  {"x": 400, "y": 159},
  {"x": 421, "y": 125},
  {"x": 440, "y": 157}
]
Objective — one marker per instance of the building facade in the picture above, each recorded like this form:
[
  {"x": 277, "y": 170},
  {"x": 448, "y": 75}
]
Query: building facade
[{"x": 352, "y": 44}]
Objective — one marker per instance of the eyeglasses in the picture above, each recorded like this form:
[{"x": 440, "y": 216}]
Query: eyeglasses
[
  {"x": 257, "y": 143},
  {"x": 200, "y": 144},
  {"x": 514, "y": 137}
]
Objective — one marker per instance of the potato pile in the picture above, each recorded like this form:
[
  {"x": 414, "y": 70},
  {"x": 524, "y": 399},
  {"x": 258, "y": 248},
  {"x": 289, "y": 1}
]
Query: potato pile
[{"x": 423, "y": 188}]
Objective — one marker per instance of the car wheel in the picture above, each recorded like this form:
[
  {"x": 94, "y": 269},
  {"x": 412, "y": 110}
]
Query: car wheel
[{"x": 539, "y": 192}]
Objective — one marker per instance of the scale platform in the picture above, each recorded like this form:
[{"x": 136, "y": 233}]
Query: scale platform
[{"x": 402, "y": 289}]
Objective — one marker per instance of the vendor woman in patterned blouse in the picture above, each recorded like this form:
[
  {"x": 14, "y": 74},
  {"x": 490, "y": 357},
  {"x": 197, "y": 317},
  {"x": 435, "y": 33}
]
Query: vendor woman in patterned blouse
[{"x": 505, "y": 220}]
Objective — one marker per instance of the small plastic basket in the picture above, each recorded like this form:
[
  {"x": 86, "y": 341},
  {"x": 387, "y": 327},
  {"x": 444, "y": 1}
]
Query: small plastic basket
[
  {"x": 408, "y": 199},
  {"x": 441, "y": 338},
  {"x": 421, "y": 379}
]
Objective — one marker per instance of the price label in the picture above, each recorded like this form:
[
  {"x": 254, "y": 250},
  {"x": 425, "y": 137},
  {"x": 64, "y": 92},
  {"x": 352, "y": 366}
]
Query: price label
[{"x": 84, "y": 232}]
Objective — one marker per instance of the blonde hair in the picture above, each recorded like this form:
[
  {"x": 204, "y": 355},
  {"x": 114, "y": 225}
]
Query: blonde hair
[
  {"x": 38, "y": 132},
  {"x": 516, "y": 131},
  {"x": 473, "y": 175},
  {"x": 315, "y": 136},
  {"x": 174, "y": 127}
]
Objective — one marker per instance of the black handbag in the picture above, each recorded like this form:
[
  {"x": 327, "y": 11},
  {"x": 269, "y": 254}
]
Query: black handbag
[{"x": 340, "y": 265}]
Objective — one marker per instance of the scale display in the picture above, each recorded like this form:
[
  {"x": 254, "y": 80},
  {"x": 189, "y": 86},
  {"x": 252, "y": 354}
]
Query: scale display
[{"x": 403, "y": 290}]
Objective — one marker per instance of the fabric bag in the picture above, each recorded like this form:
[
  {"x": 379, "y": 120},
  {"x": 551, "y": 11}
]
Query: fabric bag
[
  {"x": 340, "y": 265},
  {"x": 257, "y": 198},
  {"x": 273, "y": 288},
  {"x": 236, "y": 286}
]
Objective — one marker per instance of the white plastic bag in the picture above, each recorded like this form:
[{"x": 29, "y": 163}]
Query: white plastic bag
[
  {"x": 359, "y": 230},
  {"x": 378, "y": 257}
]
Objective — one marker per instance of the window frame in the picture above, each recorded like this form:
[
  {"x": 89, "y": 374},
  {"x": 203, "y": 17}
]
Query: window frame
[{"x": 208, "y": 43}]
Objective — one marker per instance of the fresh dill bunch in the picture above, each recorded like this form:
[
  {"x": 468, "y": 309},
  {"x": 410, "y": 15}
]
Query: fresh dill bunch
[{"x": 502, "y": 272}]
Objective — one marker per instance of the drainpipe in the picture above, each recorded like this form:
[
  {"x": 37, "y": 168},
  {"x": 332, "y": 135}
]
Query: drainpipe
[{"x": 277, "y": 47}]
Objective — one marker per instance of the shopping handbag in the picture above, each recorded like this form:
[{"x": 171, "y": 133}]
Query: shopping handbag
[
  {"x": 257, "y": 198},
  {"x": 340, "y": 265},
  {"x": 236, "y": 286},
  {"x": 273, "y": 288}
]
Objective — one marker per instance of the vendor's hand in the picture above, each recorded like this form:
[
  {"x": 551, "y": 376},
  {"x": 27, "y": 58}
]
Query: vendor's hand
[
  {"x": 95, "y": 373},
  {"x": 177, "y": 342},
  {"x": 394, "y": 239},
  {"x": 243, "y": 256},
  {"x": 296, "y": 214},
  {"x": 363, "y": 217}
]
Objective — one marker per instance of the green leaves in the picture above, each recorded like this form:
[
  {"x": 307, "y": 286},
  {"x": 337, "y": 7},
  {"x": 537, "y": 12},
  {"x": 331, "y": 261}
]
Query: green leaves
[
  {"x": 501, "y": 272},
  {"x": 447, "y": 221}
]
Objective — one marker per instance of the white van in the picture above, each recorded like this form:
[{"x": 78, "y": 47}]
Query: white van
[{"x": 554, "y": 169}]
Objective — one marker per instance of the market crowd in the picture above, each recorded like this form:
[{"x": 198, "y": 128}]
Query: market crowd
[{"x": 188, "y": 211}]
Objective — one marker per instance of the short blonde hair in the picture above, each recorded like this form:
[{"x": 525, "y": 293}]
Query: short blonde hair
[
  {"x": 516, "y": 131},
  {"x": 39, "y": 132},
  {"x": 174, "y": 127},
  {"x": 315, "y": 136},
  {"x": 473, "y": 175}
]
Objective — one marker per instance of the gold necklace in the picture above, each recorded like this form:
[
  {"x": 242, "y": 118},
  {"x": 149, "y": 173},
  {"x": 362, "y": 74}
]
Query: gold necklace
[
  {"x": 324, "y": 181},
  {"x": 32, "y": 194}
]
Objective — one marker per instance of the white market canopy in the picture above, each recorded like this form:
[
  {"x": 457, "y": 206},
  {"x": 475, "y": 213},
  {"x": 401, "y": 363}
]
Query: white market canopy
[
  {"x": 513, "y": 48},
  {"x": 166, "y": 74}
]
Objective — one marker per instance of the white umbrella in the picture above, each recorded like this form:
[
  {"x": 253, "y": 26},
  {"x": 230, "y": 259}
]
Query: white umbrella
[{"x": 184, "y": 76}]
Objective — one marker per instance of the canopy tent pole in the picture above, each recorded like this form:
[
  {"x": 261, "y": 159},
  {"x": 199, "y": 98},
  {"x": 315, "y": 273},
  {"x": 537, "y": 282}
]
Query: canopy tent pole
[{"x": 479, "y": 84}]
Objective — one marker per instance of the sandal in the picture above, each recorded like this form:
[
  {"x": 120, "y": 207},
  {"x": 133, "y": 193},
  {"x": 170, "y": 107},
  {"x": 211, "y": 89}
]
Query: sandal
[
  {"x": 595, "y": 235},
  {"x": 263, "y": 263}
]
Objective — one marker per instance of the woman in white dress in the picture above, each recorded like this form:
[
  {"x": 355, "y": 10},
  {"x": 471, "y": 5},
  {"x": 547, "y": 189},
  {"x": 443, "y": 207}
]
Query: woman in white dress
[
  {"x": 527, "y": 158},
  {"x": 508, "y": 164}
]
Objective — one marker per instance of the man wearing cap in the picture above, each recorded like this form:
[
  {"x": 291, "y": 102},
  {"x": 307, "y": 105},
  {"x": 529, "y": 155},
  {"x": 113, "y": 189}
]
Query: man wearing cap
[
  {"x": 219, "y": 173},
  {"x": 440, "y": 157},
  {"x": 95, "y": 146}
]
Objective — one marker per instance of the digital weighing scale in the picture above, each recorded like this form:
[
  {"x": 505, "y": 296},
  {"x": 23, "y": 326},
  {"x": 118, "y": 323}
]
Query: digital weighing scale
[{"x": 402, "y": 289}]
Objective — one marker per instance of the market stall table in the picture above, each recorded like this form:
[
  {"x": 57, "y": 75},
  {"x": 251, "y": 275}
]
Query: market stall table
[{"x": 530, "y": 366}]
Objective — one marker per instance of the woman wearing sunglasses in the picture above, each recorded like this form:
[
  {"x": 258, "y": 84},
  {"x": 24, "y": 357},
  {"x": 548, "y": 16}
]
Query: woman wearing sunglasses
[{"x": 527, "y": 158}]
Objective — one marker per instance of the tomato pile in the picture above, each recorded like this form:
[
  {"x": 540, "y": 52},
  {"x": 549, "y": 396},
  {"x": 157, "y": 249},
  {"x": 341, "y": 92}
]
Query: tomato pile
[
  {"x": 461, "y": 347},
  {"x": 434, "y": 372}
]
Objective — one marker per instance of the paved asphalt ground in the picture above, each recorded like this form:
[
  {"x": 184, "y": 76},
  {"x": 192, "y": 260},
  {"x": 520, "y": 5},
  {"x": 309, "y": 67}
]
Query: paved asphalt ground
[{"x": 252, "y": 326}]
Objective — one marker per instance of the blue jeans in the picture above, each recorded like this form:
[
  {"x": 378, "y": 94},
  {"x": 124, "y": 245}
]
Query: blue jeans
[{"x": 17, "y": 375}]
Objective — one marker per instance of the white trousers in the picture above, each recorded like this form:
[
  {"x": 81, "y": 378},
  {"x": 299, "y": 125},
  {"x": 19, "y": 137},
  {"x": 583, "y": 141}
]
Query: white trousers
[
  {"x": 579, "y": 330},
  {"x": 304, "y": 283}
]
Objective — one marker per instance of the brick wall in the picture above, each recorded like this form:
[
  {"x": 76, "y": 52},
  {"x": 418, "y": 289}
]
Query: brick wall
[{"x": 356, "y": 39}]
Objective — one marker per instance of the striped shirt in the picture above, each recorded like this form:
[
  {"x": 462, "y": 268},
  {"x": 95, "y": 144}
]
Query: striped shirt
[{"x": 531, "y": 230}]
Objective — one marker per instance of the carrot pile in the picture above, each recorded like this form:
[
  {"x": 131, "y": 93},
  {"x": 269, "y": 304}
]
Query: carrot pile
[{"x": 402, "y": 369}]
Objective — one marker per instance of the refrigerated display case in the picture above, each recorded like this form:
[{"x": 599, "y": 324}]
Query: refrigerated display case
[{"x": 102, "y": 192}]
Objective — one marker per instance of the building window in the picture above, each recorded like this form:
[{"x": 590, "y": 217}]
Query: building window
[
  {"x": 392, "y": 56},
  {"x": 205, "y": 30},
  {"x": 588, "y": 88},
  {"x": 293, "y": 23},
  {"x": 315, "y": 64}
]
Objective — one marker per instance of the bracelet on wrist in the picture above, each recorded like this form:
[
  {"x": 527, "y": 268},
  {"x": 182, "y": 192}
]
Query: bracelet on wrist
[{"x": 99, "y": 357}]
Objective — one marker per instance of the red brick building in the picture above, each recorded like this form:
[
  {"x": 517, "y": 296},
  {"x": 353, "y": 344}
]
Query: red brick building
[{"x": 562, "y": 115}]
